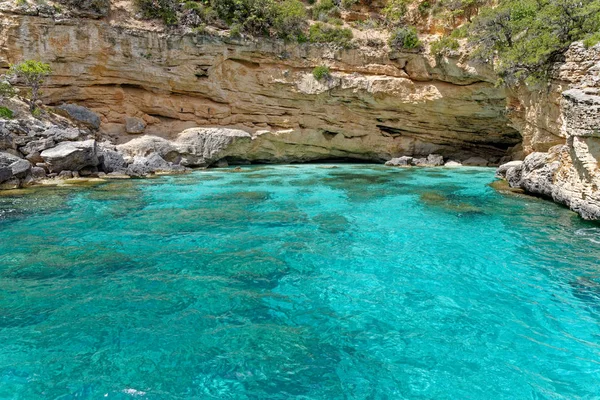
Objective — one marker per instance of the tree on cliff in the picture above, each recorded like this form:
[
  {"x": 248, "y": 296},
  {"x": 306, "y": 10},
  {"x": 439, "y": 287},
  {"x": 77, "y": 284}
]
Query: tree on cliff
[
  {"x": 524, "y": 38},
  {"x": 33, "y": 74}
]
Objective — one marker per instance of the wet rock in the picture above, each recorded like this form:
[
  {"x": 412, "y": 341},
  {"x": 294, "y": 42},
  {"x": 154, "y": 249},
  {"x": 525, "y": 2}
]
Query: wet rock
[
  {"x": 12, "y": 183},
  {"x": 71, "y": 156},
  {"x": 222, "y": 164},
  {"x": 88, "y": 171},
  {"x": 81, "y": 114},
  {"x": 65, "y": 175},
  {"x": 403, "y": 161},
  {"x": 134, "y": 125}
]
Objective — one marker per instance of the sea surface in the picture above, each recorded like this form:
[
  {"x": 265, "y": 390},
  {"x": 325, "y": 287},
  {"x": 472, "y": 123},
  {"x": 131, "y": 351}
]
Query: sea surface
[{"x": 298, "y": 282}]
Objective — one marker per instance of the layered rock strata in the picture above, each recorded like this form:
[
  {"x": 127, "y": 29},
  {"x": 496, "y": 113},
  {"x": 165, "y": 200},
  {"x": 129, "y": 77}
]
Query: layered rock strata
[
  {"x": 375, "y": 105},
  {"x": 564, "y": 152}
]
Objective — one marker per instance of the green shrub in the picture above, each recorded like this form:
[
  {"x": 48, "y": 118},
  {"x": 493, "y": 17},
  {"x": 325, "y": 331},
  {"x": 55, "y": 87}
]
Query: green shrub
[
  {"x": 592, "y": 40},
  {"x": 321, "y": 33},
  {"x": 460, "y": 32},
  {"x": 235, "y": 31},
  {"x": 323, "y": 7},
  {"x": 321, "y": 72},
  {"x": 444, "y": 46},
  {"x": 395, "y": 11},
  {"x": 163, "y": 9},
  {"x": 405, "y": 38},
  {"x": 336, "y": 21},
  {"x": 424, "y": 7},
  {"x": 347, "y": 4},
  {"x": 6, "y": 113},
  {"x": 6, "y": 90},
  {"x": 290, "y": 19}
]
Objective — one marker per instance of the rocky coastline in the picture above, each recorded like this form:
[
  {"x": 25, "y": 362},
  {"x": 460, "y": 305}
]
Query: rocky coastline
[{"x": 206, "y": 100}]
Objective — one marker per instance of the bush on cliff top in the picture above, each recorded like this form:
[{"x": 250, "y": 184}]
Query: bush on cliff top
[
  {"x": 524, "y": 38},
  {"x": 405, "y": 38},
  {"x": 321, "y": 33}
]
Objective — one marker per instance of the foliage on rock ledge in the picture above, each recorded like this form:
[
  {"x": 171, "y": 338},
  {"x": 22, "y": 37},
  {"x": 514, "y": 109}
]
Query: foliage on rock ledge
[{"x": 524, "y": 38}]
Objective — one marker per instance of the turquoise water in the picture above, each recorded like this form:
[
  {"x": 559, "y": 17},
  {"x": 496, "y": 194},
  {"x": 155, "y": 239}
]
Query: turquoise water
[{"x": 298, "y": 282}]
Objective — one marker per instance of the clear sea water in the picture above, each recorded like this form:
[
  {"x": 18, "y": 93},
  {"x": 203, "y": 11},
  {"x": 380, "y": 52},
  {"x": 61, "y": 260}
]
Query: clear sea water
[{"x": 298, "y": 282}]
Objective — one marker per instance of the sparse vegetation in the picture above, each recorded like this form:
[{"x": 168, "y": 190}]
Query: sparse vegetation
[
  {"x": 322, "y": 33},
  {"x": 6, "y": 90},
  {"x": 163, "y": 9},
  {"x": 405, "y": 38},
  {"x": 321, "y": 72},
  {"x": 444, "y": 46},
  {"x": 33, "y": 74},
  {"x": 523, "y": 38},
  {"x": 395, "y": 12},
  {"x": 6, "y": 113}
]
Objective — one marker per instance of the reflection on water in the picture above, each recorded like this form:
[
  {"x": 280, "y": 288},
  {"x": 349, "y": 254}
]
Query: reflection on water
[{"x": 305, "y": 282}]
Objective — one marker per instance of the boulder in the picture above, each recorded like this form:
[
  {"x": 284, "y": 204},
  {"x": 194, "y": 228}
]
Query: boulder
[
  {"x": 143, "y": 166},
  {"x": 222, "y": 164},
  {"x": 134, "y": 125},
  {"x": 400, "y": 161},
  {"x": 452, "y": 164},
  {"x": 435, "y": 160},
  {"x": 20, "y": 168},
  {"x": 419, "y": 162},
  {"x": 145, "y": 146},
  {"x": 38, "y": 173},
  {"x": 37, "y": 146},
  {"x": 71, "y": 156},
  {"x": 65, "y": 175},
  {"x": 475, "y": 162},
  {"x": 199, "y": 147},
  {"x": 501, "y": 171},
  {"x": 5, "y": 174},
  {"x": 12, "y": 183},
  {"x": 81, "y": 114},
  {"x": 110, "y": 160}
]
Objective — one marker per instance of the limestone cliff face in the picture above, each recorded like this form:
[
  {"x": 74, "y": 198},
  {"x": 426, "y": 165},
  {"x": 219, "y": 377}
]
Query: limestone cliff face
[
  {"x": 375, "y": 106},
  {"x": 569, "y": 171},
  {"x": 536, "y": 111}
]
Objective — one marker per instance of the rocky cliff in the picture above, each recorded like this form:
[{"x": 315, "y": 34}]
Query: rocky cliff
[
  {"x": 375, "y": 105},
  {"x": 568, "y": 171}
]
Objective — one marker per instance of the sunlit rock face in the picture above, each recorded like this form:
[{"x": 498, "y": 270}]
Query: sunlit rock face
[
  {"x": 568, "y": 172},
  {"x": 376, "y": 105}
]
